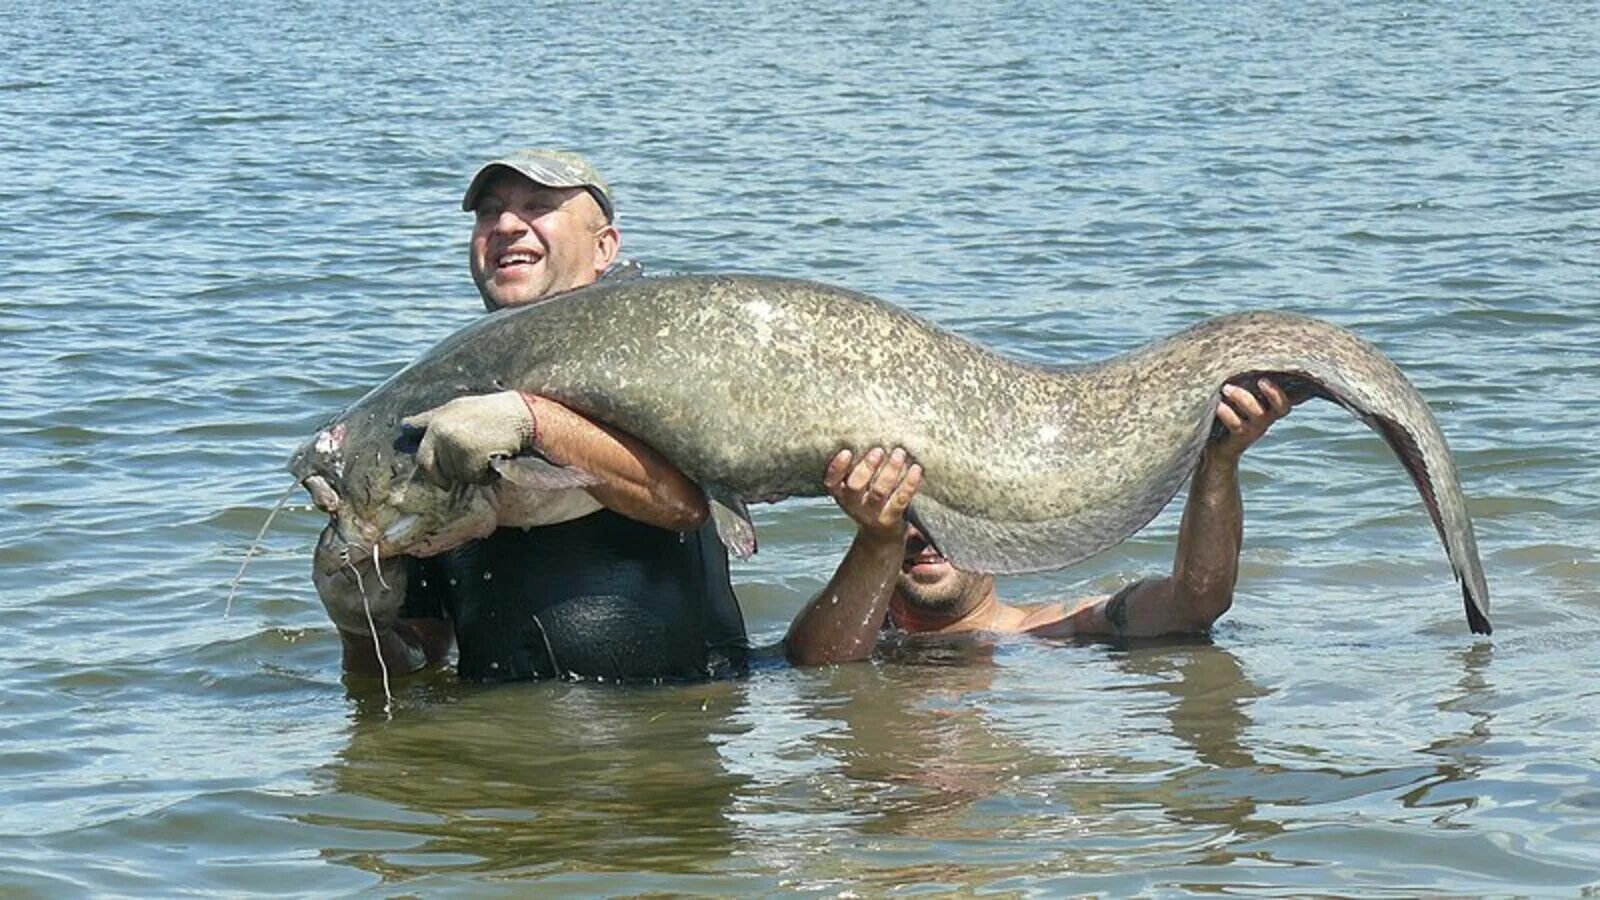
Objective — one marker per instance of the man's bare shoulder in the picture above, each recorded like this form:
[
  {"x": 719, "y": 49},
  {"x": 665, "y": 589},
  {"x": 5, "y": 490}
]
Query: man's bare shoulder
[{"x": 1083, "y": 617}]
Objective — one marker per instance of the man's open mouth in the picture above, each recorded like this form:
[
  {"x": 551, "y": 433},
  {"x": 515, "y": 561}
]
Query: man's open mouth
[
  {"x": 920, "y": 553},
  {"x": 517, "y": 258}
]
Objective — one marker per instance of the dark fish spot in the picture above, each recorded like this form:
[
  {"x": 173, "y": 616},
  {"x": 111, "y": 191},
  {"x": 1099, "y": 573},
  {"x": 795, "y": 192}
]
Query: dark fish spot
[{"x": 409, "y": 440}]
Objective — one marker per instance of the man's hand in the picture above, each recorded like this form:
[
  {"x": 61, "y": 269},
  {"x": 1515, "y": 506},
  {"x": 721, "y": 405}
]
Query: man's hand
[
  {"x": 1246, "y": 419},
  {"x": 1205, "y": 566},
  {"x": 842, "y": 623},
  {"x": 464, "y": 435},
  {"x": 875, "y": 491}
]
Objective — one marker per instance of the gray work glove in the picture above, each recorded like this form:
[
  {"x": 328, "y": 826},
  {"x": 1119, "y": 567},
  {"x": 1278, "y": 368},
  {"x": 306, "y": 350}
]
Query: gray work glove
[{"x": 465, "y": 435}]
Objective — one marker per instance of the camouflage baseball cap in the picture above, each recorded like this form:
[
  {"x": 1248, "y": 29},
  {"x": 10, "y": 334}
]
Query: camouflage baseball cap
[{"x": 551, "y": 168}]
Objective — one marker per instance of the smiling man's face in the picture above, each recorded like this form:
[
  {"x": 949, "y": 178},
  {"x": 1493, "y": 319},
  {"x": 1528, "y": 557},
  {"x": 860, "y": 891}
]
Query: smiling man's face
[{"x": 530, "y": 241}]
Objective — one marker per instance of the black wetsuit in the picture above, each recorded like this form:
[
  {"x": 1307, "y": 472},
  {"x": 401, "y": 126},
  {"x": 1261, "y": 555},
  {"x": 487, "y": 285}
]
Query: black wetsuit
[{"x": 601, "y": 596}]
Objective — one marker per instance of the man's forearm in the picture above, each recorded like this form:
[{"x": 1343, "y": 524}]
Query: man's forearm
[
  {"x": 842, "y": 623},
  {"x": 1206, "y": 564},
  {"x": 635, "y": 480}
]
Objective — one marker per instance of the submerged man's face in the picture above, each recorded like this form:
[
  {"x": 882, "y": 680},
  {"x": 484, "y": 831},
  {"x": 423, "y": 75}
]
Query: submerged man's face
[{"x": 931, "y": 583}]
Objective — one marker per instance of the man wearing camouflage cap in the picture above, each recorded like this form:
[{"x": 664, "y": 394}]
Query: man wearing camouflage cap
[
  {"x": 561, "y": 233},
  {"x": 634, "y": 583}
]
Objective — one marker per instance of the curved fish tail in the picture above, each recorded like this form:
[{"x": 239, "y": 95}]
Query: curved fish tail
[
  {"x": 1434, "y": 476},
  {"x": 1410, "y": 430}
]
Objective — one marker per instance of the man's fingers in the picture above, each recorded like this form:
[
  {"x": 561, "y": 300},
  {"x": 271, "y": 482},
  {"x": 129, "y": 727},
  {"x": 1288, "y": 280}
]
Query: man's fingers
[
  {"x": 1276, "y": 398},
  {"x": 883, "y": 484},
  {"x": 838, "y": 467},
  {"x": 907, "y": 489},
  {"x": 1228, "y": 417},
  {"x": 428, "y": 459},
  {"x": 420, "y": 420},
  {"x": 1243, "y": 401},
  {"x": 861, "y": 475}
]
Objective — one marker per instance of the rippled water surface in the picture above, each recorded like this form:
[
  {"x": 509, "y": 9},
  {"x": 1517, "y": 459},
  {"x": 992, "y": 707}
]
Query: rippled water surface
[{"x": 223, "y": 223}]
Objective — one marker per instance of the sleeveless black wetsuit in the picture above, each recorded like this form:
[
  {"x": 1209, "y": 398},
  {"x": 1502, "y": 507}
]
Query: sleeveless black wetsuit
[{"x": 601, "y": 596}]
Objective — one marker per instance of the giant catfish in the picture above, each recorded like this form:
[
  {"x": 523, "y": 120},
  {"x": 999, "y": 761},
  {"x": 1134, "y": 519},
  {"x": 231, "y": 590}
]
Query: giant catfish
[{"x": 750, "y": 384}]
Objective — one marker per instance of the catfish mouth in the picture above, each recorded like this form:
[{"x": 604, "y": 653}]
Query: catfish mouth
[
  {"x": 343, "y": 527},
  {"x": 323, "y": 496},
  {"x": 354, "y": 533}
]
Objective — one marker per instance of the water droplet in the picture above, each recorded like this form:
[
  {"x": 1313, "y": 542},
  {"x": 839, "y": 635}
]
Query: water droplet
[{"x": 488, "y": 576}]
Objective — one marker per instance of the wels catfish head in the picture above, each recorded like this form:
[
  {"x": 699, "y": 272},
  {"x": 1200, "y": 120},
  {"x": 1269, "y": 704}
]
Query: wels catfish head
[{"x": 367, "y": 480}]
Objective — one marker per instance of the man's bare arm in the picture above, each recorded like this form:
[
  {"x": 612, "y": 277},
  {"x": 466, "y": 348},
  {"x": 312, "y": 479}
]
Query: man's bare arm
[
  {"x": 841, "y": 624},
  {"x": 1205, "y": 566},
  {"x": 463, "y": 437},
  {"x": 635, "y": 480}
]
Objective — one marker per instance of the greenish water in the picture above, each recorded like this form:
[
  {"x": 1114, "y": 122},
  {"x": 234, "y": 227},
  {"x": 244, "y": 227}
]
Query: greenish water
[{"x": 222, "y": 224}]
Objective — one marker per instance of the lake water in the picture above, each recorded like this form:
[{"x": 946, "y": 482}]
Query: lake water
[{"x": 223, "y": 223}]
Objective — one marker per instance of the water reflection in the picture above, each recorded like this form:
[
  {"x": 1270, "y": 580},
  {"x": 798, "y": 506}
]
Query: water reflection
[
  {"x": 951, "y": 762},
  {"x": 940, "y": 727},
  {"x": 1462, "y": 762},
  {"x": 534, "y": 777},
  {"x": 1207, "y": 713},
  {"x": 920, "y": 737},
  {"x": 1022, "y": 759}
]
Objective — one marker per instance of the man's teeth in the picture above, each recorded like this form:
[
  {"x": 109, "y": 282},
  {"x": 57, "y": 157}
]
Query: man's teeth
[{"x": 512, "y": 259}]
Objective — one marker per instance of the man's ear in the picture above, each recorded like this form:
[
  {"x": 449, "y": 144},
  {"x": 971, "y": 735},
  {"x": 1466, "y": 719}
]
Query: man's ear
[{"x": 607, "y": 247}]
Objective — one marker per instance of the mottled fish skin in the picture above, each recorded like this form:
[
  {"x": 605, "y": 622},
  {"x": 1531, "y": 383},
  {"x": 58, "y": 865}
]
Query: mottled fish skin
[{"x": 749, "y": 384}]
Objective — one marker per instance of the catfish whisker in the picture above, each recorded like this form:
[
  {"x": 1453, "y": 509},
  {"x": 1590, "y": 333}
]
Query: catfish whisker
[
  {"x": 377, "y": 645},
  {"x": 233, "y": 588},
  {"x": 377, "y": 566}
]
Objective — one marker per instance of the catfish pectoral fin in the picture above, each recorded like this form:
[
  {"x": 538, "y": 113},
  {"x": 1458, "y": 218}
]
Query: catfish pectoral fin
[
  {"x": 734, "y": 527},
  {"x": 539, "y": 474}
]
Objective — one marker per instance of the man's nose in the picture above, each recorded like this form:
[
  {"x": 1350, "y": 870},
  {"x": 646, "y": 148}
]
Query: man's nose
[{"x": 509, "y": 222}]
